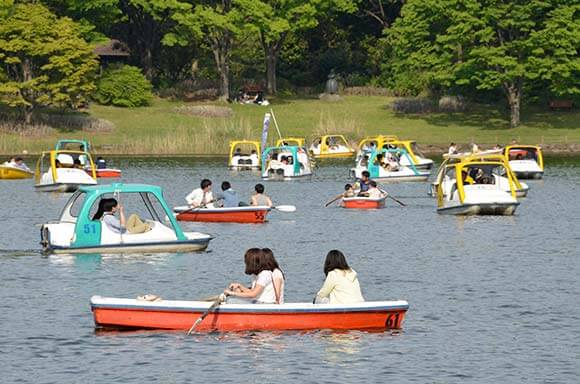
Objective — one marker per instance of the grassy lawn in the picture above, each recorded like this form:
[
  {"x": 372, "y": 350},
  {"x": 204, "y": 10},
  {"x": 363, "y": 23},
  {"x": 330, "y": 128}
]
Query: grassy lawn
[{"x": 160, "y": 129}]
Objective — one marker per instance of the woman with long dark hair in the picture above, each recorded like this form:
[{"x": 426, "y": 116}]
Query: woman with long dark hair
[
  {"x": 106, "y": 213},
  {"x": 262, "y": 290},
  {"x": 341, "y": 285}
]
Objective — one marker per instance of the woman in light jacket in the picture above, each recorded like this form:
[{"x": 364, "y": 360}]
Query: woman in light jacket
[{"x": 341, "y": 285}]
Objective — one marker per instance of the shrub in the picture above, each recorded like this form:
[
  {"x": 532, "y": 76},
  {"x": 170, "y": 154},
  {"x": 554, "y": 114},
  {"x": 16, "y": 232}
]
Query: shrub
[
  {"x": 413, "y": 105},
  {"x": 123, "y": 86},
  {"x": 452, "y": 104}
]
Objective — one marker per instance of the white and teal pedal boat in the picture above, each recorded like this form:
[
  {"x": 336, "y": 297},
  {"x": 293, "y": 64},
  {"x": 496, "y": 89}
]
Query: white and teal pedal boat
[{"x": 77, "y": 232}]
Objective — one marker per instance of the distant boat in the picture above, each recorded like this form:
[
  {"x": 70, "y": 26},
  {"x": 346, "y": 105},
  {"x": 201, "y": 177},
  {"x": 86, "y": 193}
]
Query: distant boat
[{"x": 8, "y": 172}]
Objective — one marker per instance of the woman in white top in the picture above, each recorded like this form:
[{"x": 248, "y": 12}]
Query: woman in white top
[
  {"x": 267, "y": 281},
  {"x": 341, "y": 285}
]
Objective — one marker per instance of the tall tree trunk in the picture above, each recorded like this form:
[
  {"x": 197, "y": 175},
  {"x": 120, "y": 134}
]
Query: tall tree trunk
[
  {"x": 27, "y": 94},
  {"x": 220, "y": 47},
  {"x": 514, "y": 96},
  {"x": 28, "y": 114},
  {"x": 271, "y": 52},
  {"x": 271, "y": 62}
]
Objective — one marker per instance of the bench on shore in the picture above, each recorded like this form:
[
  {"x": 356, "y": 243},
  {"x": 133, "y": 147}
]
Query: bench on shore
[{"x": 561, "y": 104}]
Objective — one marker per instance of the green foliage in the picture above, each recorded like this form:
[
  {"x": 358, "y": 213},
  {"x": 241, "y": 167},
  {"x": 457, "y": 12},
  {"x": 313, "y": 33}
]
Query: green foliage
[
  {"x": 46, "y": 61},
  {"x": 485, "y": 44},
  {"x": 123, "y": 86}
]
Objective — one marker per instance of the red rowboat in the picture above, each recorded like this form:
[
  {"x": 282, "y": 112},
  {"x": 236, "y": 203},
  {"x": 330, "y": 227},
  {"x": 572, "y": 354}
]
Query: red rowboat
[
  {"x": 252, "y": 214},
  {"x": 360, "y": 202},
  {"x": 107, "y": 172},
  {"x": 180, "y": 315}
]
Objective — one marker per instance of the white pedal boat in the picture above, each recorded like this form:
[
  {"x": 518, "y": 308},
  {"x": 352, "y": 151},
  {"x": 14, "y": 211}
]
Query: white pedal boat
[
  {"x": 62, "y": 171},
  {"x": 76, "y": 232}
]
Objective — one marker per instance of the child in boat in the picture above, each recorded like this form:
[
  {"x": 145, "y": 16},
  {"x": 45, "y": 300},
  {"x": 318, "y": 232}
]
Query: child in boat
[
  {"x": 341, "y": 285},
  {"x": 201, "y": 197},
  {"x": 374, "y": 192},
  {"x": 101, "y": 163},
  {"x": 348, "y": 191},
  {"x": 362, "y": 184},
  {"x": 106, "y": 213},
  {"x": 263, "y": 290},
  {"x": 259, "y": 198}
]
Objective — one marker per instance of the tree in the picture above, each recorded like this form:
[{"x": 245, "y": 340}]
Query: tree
[
  {"x": 141, "y": 24},
  {"x": 45, "y": 61},
  {"x": 276, "y": 19},
  {"x": 217, "y": 23},
  {"x": 488, "y": 44}
]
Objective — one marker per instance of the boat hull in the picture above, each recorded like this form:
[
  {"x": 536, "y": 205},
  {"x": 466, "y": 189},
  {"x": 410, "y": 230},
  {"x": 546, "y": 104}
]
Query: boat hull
[
  {"x": 107, "y": 173},
  {"x": 169, "y": 247},
  {"x": 497, "y": 209},
  {"x": 339, "y": 155},
  {"x": 11, "y": 173},
  {"x": 363, "y": 203},
  {"x": 529, "y": 175},
  {"x": 58, "y": 187},
  {"x": 401, "y": 178},
  {"x": 277, "y": 177},
  {"x": 250, "y": 215},
  {"x": 180, "y": 315}
]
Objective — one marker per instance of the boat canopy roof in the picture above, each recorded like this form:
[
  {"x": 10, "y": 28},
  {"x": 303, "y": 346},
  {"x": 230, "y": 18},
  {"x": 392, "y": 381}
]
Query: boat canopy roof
[
  {"x": 235, "y": 143},
  {"x": 289, "y": 148},
  {"x": 288, "y": 141},
  {"x": 121, "y": 188},
  {"x": 64, "y": 144}
]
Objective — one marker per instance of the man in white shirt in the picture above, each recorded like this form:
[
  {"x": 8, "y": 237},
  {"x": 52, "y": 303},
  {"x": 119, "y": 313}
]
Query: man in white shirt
[{"x": 201, "y": 197}]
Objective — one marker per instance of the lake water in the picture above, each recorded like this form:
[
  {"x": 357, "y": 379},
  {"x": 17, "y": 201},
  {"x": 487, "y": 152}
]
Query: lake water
[{"x": 492, "y": 299}]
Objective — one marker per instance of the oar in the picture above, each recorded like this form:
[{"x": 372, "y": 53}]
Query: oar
[
  {"x": 391, "y": 197},
  {"x": 192, "y": 209},
  {"x": 285, "y": 208},
  {"x": 333, "y": 200},
  {"x": 214, "y": 305}
]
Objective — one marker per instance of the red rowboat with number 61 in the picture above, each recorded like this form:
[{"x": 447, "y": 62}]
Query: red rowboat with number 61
[
  {"x": 252, "y": 214},
  {"x": 180, "y": 315}
]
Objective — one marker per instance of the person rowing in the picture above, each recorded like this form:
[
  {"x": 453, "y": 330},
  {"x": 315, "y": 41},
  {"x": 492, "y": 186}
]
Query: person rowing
[
  {"x": 201, "y": 197},
  {"x": 362, "y": 184}
]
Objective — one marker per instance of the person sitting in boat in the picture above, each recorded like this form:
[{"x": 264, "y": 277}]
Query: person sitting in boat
[
  {"x": 263, "y": 289},
  {"x": 259, "y": 198},
  {"x": 18, "y": 162},
  {"x": 201, "y": 197},
  {"x": 362, "y": 184},
  {"x": 390, "y": 163},
  {"x": 452, "y": 149},
  {"x": 106, "y": 212},
  {"x": 374, "y": 192},
  {"x": 341, "y": 285},
  {"x": 467, "y": 179},
  {"x": 228, "y": 198},
  {"x": 348, "y": 191},
  {"x": 77, "y": 163},
  {"x": 302, "y": 157},
  {"x": 101, "y": 163},
  {"x": 254, "y": 157}
]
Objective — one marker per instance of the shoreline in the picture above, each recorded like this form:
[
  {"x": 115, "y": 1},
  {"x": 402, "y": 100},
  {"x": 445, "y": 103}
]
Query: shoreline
[{"x": 428, "y": 149}]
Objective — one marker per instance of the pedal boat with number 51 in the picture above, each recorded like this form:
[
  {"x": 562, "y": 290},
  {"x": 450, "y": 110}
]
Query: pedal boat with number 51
[
  {"x": 249, "y": 214},
  {"x": 473, "y": 187},
  {"x": 77, "y": 232},
  {"x": 118, "y": 313}
]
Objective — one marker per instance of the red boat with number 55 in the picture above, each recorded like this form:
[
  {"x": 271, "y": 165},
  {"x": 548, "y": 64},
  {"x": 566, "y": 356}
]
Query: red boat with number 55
[
  {"x": 115, "y": 313},
  {"x": 251, "y": 214}
]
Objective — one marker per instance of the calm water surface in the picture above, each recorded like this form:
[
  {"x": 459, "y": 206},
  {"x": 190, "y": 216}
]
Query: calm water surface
[{"x": 492, "y": 299}]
